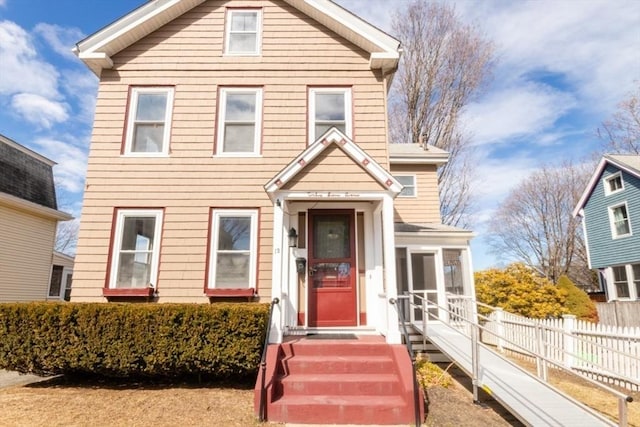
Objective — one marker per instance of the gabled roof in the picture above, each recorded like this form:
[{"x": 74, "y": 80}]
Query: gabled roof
[
  {"x": 334, "y": 136},
  {"x": 629, "y": 163},
  {"x": 97, "y": 49},
  {"x": 415, "y": 154}
]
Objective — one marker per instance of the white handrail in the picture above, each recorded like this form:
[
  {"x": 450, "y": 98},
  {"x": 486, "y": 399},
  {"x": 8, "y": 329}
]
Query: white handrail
[{"x": 425, "y": 305}]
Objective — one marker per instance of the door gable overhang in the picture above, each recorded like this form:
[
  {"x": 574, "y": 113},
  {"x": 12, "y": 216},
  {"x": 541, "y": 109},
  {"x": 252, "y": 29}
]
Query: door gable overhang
[{"x": 346, "y": 145}]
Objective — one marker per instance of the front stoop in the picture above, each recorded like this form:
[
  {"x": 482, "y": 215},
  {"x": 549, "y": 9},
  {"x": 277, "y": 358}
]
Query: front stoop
[{"x": 338, "y": 382}]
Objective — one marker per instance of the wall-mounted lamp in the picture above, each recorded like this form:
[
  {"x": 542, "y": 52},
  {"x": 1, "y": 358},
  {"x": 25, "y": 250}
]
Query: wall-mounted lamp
[{"x": 293, "y": 238}]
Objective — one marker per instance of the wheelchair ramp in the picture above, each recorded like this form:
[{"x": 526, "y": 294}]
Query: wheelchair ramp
[{"x": 531, "y": 400}]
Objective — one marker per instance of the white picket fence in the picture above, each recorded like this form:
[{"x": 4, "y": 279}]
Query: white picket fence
[{"x": 605, "y": 353}]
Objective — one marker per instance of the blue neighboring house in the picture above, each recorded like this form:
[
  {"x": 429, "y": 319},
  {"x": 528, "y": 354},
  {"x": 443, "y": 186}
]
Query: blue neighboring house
[{"x": 610, "y": 211}]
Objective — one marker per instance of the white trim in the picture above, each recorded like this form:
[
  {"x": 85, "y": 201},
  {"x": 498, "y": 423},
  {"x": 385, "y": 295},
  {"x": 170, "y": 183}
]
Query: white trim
[
  {"x": 257, "y": 121},
  {"x": 136, "y": 91},
  {"x": 348, "y": 113},
  {"x": 414, "y": 177},
  {"x": 389, "y": 256},
  {"x": 614, "y": 234},
  {"x": 217, "y": 214},
  {"x": 230, "y": 11},
  {"x": 121, "y": 215},
  {"x": 33, "y": 208},
  {"x": 606, "y": 182},
  {"x": 333, "y": 136},
  {"x": 586, "y": 237}
]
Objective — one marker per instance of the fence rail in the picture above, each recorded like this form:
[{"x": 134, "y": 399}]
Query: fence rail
[{"x": 605, "y": 353}]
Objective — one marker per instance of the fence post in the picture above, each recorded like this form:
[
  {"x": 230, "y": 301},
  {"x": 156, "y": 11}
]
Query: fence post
[
  {"x": 541, "y": 352},
  {"x": 499, "y": 316},
  {"x": 568, "y": 327}
]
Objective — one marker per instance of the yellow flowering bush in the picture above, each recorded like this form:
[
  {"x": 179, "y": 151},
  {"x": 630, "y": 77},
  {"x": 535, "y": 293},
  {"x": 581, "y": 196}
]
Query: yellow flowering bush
[{"x": 519, "y": 290}]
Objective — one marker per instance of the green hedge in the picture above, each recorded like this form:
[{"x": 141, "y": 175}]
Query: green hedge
[{"x": 133, "y": 340}]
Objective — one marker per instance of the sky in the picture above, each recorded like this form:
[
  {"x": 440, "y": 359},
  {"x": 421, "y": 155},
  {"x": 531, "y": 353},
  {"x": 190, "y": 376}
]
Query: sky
[{"x": 562, "y": 67}]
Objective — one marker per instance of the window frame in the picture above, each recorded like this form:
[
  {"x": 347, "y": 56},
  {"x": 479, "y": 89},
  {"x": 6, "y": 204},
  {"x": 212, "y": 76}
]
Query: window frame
[
  {"x": 612, "y": 223},
  {"x": 134, "y": 94},
  {"x": 227, "y": 31},
  {"x": 414, "y": 186},
  {"x": 348, "y": 109},
  {"x": 221, "y": 123},
  {"x": 635, "y": 278},
  {"x": 116, "y": 244},
  {"x": 214, "y": 230},
  {"x": 607, "y": 184}
]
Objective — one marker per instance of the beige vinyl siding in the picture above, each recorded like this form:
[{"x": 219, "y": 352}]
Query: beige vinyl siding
[
  {"x": 426, "y": 206},
  {"x": 297, "y": 53},
  {"x": 26, "y": 251},
  {"x": 333, "y": 170},
  {"x": 63, "y": 261}
]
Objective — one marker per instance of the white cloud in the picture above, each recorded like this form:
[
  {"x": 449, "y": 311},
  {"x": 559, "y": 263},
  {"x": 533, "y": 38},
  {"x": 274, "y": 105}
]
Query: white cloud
[
  {"x": 60, "y": 39},
  {"x": 71, "y": 169},
  {"x": 521, "y": 110},
  {"x": 22, "y": 70},
  {"x": 3, "y": 3},
  {"x": 39, "y": 110},
  {"x": 83, "y": 86}
]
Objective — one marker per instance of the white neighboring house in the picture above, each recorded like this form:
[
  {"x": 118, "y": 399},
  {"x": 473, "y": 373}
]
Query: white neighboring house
[{"x": 29, "y": 217}]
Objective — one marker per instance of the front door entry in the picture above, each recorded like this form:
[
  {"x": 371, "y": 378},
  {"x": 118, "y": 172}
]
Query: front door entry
[{"x": 332, "y": 268}]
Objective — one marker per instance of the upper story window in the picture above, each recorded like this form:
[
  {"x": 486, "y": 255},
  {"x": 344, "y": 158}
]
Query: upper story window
[
  {"x": 136, "y": 249},
  {"x": 149, "y": 121},
  {"x": 409, "y": 185},
  {"x": 329, "y": 107},
  {"x": 233, "y": 262},
  {"x": 239, "y": 123},
  {"x": 619, "y": 221},
  {"x": 613, "y": 184},
  {"x": 243, "y": 32}
]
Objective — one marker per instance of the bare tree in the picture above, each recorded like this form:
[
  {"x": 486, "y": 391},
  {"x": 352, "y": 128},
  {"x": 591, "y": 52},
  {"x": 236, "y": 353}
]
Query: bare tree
[
  {"x": 67, "y": 236},
  {"x": 444, "y": 63},
  {"x": 621, "y": 133},
  {"x": 535, "y": 225}
]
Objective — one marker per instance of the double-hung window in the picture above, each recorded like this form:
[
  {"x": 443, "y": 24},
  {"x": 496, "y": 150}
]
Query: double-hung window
[
  {"x": 136, "y": 249},
  {"x": 619, "y": 220},
  {"x": 233, "y": 251},
  {"x": 635, "y": 269},
  {"x": 243, "y": 32},
  {"x": 329, "y": 108},
  {"x": 240, "y": 121},
  {"x": 620, "y": 281},
  {"x": 409, "y": 185},
  {"x": 613, "y": 184},
  {"x": 149, "y": 121}
]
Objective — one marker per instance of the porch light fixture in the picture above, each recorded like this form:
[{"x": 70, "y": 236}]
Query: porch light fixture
[{"x": 293, "y": 238}]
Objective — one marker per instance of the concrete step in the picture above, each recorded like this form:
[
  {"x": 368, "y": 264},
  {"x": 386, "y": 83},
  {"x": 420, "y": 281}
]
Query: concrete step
[
  {"x": 385, "y": 384},
  {"x": 338, "y": 365},
  {"x": 327, "y": 409}
]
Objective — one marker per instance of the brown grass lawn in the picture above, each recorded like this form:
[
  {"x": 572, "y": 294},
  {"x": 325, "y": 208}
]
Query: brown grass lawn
[
  {"x": 53, "y": 403},
  {"x": 60, "y": 403}
]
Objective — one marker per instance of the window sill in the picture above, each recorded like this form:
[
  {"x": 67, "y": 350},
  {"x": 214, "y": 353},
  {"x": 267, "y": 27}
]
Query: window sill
[
  {"x": 128, "y": 292},
  {"x": 226, "y": 293}
]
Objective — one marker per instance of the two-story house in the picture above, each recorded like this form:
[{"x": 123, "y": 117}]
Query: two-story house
[
  {"x": 29, "y": 216},
  {"x": 610, "y": 211},
  {"x": 240, "y": 152}
]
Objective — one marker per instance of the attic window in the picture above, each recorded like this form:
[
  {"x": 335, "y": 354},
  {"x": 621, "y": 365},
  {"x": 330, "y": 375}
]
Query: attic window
[
  {"x": 613, "y": 184},
  {"x": 243, "y": 32}
]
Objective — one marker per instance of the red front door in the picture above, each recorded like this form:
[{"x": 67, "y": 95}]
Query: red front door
[{"x": 332, "y": 268}]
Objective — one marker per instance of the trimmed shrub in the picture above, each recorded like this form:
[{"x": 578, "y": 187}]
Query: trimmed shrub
[
  {"x": 133, "y": 340},
  {"x": 519, "y": 290},
  {"x": 577, "y": 301}
]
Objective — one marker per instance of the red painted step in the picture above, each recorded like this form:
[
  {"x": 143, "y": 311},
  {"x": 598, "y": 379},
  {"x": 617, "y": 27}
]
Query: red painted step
[{"x": 338, "y": 382}]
